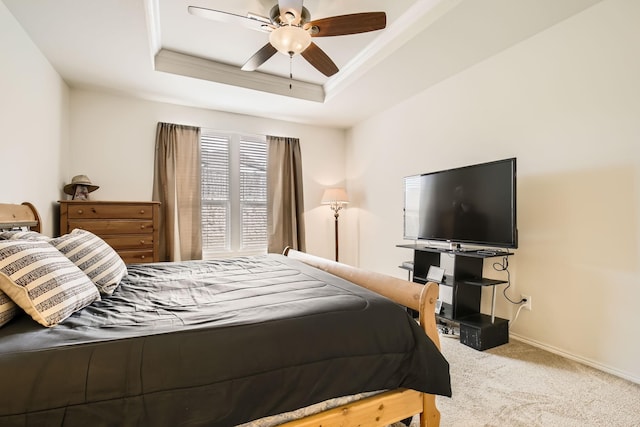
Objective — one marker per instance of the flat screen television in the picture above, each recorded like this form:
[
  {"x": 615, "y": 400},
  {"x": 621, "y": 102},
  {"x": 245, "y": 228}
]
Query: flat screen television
[{"x": 473, "y": 205}]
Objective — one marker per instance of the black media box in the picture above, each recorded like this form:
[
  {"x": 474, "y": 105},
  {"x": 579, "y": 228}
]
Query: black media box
[{"x": 478, "y": 332}]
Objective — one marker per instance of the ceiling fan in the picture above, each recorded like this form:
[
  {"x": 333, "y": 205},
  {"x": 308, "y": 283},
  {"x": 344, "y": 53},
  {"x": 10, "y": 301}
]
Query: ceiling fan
[{"x": 291, "y": 29}]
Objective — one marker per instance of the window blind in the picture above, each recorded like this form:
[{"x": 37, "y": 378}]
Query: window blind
[
  {"x": 234, "y": 194},
  {"x": 216, "y": 200},
  {"x": 253, "y": 194}
]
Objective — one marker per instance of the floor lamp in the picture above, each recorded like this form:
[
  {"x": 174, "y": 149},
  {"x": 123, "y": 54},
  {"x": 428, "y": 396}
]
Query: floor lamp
[{"x": 336, "y": 198}]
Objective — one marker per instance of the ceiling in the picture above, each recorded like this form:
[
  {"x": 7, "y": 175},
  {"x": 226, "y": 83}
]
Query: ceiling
[{"x": 155, "y": 49}]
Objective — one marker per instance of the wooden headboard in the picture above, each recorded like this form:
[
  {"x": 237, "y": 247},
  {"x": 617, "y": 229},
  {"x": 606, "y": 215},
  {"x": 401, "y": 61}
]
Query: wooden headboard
[{"x": 24, "y": 215}]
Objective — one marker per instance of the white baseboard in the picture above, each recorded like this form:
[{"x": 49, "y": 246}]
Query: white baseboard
[{"x": 584, "y": 361}]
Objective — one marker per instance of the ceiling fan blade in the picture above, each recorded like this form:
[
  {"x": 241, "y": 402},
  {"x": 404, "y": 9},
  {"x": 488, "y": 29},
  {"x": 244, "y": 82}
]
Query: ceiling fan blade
[
  {"x": 316, "y": 57},
  {"x": 259, "y": 58},
  {"x": 253, "y": 21},
  {"x": 348, "y": 24},
  {"x": 293, "y": 7}
]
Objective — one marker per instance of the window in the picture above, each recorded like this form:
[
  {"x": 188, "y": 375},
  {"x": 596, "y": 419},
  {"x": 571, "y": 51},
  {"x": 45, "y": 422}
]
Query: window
[{"x": 234, "y": 194}]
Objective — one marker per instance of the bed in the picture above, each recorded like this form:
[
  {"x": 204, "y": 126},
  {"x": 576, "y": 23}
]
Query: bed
[{"x": 224, "y": 342}]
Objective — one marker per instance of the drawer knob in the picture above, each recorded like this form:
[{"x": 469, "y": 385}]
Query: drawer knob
[
  {"x": 142, "y": 257},
  {"x": 142, "y": 242},
  {"x": 80, "y": 211},
  {"x": 141, "y": 211},
  {"x": 142, "y": 227}
]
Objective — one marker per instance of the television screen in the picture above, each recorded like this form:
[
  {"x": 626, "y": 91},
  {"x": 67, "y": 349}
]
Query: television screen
[{"x": 472, "y": 204}]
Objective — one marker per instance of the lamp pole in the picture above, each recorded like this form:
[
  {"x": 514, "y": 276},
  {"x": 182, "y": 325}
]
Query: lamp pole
[
  {"x": 336, "y": 208},
  {"x": 336, "y": 198}
]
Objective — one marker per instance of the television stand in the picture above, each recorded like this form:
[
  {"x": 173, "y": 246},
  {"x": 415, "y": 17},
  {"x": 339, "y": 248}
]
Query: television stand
[{"x": 477, "y": 330}]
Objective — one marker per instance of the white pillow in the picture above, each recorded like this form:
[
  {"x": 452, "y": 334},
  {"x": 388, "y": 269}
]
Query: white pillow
[
  {"x": 42, "y": 281},
  {"x": 94, "y": 257}
]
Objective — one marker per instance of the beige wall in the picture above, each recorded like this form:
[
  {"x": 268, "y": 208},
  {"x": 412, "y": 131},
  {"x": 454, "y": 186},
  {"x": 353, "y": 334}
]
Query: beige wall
[
  {"x": 566, "y": 103},
  {"x": 34, "y": 123},
  {"x": 113, "y": 139}
]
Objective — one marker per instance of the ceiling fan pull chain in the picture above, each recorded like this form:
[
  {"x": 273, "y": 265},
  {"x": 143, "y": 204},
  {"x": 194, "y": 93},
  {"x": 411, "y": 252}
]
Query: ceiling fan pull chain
[{"x": 290, "y": 70}]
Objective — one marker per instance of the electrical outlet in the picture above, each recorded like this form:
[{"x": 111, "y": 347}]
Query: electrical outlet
[{"x": 527, "y": 304}]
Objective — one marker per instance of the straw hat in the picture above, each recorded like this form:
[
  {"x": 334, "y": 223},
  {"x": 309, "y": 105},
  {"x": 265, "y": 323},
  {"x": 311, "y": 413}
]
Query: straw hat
[{"x": 80, "y": 180}]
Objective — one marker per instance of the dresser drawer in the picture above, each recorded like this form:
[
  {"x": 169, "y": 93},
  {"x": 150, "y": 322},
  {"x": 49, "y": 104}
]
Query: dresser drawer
[
  {"x": 108, "y": 211},
  {"x": 136, "y": 256},
  {"x": 123, "y": 226},
  {"x": 133, "y": 241}
]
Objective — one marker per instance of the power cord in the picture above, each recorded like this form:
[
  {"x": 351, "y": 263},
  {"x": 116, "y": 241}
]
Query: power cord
[
  {"x": 511, "y": 322},
  {"x": 504, "y": 266}
]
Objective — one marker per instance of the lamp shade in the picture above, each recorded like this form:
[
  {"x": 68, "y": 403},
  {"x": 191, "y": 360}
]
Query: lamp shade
[
  {"x": 290, "y": 39},
  {"x": 334, "y": 195}
]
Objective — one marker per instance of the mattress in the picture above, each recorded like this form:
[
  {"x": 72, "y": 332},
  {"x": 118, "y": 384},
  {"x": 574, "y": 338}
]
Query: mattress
[{"x": 212, "y": 343}]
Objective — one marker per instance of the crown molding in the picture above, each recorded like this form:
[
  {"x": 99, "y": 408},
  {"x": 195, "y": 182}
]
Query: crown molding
[{"x": 201, "y": 68}]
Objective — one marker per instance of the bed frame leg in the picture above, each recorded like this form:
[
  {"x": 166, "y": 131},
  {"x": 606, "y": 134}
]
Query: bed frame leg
[{"x": 430, "y": 416}]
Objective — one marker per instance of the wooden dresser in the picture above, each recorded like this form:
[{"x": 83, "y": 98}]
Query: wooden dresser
[{"x": 131, "y": 228}]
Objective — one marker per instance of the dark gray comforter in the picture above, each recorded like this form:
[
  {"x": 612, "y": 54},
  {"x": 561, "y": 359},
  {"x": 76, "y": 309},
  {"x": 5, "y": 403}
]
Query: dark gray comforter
[{"x": 212, "y": 343}]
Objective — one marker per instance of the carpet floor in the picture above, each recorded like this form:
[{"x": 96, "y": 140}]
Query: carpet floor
[{"x": 517, "y": 384}]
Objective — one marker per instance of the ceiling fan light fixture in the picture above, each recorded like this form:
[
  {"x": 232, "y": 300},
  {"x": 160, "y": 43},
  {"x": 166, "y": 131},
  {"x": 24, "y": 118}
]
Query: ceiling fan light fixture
[{"x": 289, "y": 39}]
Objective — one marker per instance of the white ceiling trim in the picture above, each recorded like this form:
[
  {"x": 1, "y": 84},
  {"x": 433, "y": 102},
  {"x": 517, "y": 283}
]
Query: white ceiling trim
[
  {"x": 205, "y": 69},
  {"x": 151, "y": 8}
]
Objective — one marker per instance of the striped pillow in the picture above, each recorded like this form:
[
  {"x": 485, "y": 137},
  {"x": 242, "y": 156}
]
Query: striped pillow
[
  {"x": 8, "y": 308},
  {"x": 94, "y": 256},
  {"x": 42, "y": 281},
  {"x": 23, "y": 235}
]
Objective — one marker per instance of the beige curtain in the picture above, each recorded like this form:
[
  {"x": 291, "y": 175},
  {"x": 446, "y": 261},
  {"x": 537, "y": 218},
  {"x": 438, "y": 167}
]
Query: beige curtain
[
  {"x": 177, "y": 185},
  {"x": 285, "y": 203}
]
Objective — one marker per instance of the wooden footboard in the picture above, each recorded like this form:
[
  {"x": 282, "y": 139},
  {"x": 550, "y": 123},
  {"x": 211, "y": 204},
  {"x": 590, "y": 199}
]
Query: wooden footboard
[{"x": 394, "y": 405}]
